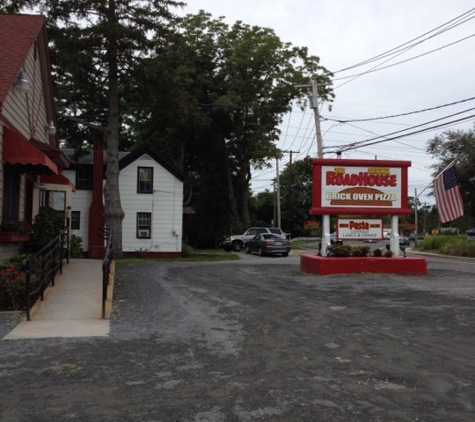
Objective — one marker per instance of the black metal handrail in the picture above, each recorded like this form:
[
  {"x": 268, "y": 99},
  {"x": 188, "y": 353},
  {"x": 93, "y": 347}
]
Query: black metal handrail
[
  {"x": 106, "y": 265},
  {"x": 41, "y": 268}
]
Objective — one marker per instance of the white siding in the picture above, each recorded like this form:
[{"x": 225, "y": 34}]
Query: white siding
[
  {"x": 81, "y": 201},
  {"x": 165, "y": 204}
]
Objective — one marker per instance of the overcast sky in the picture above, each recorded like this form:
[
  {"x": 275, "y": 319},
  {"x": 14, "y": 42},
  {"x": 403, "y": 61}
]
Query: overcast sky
[{"x": 344, "y": 33}]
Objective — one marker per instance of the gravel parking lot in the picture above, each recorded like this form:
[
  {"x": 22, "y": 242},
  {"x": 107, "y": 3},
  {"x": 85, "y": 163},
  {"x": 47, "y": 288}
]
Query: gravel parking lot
[{"x": 256, "y": 340}]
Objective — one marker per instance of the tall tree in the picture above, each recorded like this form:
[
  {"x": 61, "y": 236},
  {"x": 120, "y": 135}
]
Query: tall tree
[
  {"x": 459, "y": 145},
  {"x": 95, "y": 45},
  {"x": 227, "y": 89}
]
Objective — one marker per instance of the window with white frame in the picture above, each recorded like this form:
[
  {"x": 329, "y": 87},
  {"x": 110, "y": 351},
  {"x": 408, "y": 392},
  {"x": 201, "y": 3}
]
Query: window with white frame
[
  {"x": 145, "y": 180},
  {"x": 144, "y": 225}
]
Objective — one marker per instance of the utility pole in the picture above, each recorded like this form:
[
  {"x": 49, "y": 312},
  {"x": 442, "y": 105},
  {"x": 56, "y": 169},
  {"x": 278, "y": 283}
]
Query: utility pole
[
  {"x": 289, "y": 203},
  {"x": 313, "y": 104},
  {"x": 416, "y": 219},
  {"x": 277, "y": 192}
]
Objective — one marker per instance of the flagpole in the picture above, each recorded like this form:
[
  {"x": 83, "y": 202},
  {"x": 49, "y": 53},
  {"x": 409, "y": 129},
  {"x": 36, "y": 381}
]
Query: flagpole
[
  {"x": 416, "y": 228},
  {"x": 430, "y": 184}
]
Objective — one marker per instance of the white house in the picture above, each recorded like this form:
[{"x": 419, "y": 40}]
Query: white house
[{"x": 151, "y": 192}]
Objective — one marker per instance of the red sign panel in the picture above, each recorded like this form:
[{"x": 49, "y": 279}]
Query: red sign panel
[{"x": 359, "y": 187}]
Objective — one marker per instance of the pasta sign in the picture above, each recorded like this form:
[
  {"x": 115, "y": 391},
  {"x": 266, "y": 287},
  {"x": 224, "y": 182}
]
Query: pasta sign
[{"x": 359, "y": 187}]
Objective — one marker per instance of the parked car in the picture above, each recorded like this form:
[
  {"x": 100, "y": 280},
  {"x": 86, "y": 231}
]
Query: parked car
[
  {"x": 237, "y": 242},
  {"x": 268, "y": 244}
]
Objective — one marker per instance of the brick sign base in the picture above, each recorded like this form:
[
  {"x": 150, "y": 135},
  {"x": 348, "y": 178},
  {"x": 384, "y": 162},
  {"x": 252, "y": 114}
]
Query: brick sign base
[{"x": 323, "y": 265}]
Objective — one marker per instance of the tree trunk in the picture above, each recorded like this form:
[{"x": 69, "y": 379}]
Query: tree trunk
[
  {"x": 113, "y": 213},
  {"x": 246, "y": 217},
  {"x": 235, "y": 222}
]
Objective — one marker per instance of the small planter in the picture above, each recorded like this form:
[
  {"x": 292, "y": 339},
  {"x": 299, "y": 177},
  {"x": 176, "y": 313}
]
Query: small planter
[{"x": 8, "y": 237}]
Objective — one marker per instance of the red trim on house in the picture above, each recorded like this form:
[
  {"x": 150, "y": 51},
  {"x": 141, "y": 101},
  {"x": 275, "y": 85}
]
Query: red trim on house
[
  {"x": 55, "y": 154},
  {"x": 96, "y": 249},
  {"x": 57, "y": 179},
  {"x": 151, "y": 255}
]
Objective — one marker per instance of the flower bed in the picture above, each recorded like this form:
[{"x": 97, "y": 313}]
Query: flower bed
[
  {"x": 12, "y": 287},
  {"x": 8, "y": 237}
]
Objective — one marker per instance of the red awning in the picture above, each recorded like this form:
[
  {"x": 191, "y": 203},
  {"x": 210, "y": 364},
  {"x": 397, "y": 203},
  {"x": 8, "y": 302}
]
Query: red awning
[
  {"x": 57, "y": 179},
  {"x": 17, "y": 150},
  {"x": 55, "y": 154}
]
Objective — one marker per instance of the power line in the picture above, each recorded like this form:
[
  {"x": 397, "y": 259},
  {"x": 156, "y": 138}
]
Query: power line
[
  {"x": 407, "y": 45},
  {"x": 377, "y": 68},
  {"x": 401, "y": 114},
  {"x": 360, "y": 144}
]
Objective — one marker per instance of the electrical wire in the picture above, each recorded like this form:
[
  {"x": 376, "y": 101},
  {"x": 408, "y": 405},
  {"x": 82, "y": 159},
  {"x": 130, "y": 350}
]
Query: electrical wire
[
  {"x": 359, "y": 144},
  {"x": 401, "y": 114},
  {"x": 407, "y": 43},
  {"x": 377, "y": 68}
]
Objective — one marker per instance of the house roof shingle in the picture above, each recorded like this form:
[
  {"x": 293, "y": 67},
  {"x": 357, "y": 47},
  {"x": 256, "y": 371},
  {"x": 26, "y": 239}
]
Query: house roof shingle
[{"x": 17, "y": 35}]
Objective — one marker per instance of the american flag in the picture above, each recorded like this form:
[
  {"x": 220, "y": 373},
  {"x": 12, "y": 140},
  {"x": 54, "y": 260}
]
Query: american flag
[{"x": 447, "y": 195}]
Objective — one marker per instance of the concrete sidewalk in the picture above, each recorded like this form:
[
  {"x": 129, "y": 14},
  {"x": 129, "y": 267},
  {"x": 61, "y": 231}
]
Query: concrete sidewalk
[{"x": 71, "y": 308}]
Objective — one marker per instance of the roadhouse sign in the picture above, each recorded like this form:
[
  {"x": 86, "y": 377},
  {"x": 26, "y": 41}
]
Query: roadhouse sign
[{"x": 359, "y": 187}]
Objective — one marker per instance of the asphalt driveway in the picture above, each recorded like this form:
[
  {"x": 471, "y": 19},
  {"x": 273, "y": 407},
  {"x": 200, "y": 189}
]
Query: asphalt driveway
[{"x": 256, "y": 340}]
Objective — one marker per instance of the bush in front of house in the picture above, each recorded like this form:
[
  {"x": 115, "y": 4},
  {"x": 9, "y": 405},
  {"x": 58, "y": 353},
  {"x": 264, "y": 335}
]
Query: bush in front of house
[
  {"x": 47, "y": 225},
  {"x": 75, "y": 247}
]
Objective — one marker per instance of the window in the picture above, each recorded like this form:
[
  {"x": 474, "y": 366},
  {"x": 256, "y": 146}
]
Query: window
[
  {"x": 144, "y": 225},
  {"x": 75, "y": 220},
  {"x": 145, "y": 180},
  {"x": 84, "y": 178}
]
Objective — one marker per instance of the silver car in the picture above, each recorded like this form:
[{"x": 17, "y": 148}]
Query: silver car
[{"x": 268, "y": 244}]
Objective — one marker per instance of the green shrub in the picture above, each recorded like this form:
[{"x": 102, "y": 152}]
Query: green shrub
[
  {"x": 341, "y": 250},
  {"x": 75, "y": 247},
  {"x": 454, "y": 245},
  {"x": 186, "y": 250},
  {"x": 46, "y": 226},
  {"x": 377, "y": 253},
  {"x": 360, "y": 250}
]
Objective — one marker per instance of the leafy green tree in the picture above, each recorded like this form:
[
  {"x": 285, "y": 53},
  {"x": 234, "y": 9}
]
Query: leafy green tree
[
  {"x": 296, "y": 195},
  {"x": 459, "y": 145},
  {"x": 219, "y": 94},
  {"x": 95, "y": 45},
  {"x": 263, "y": 211}
]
